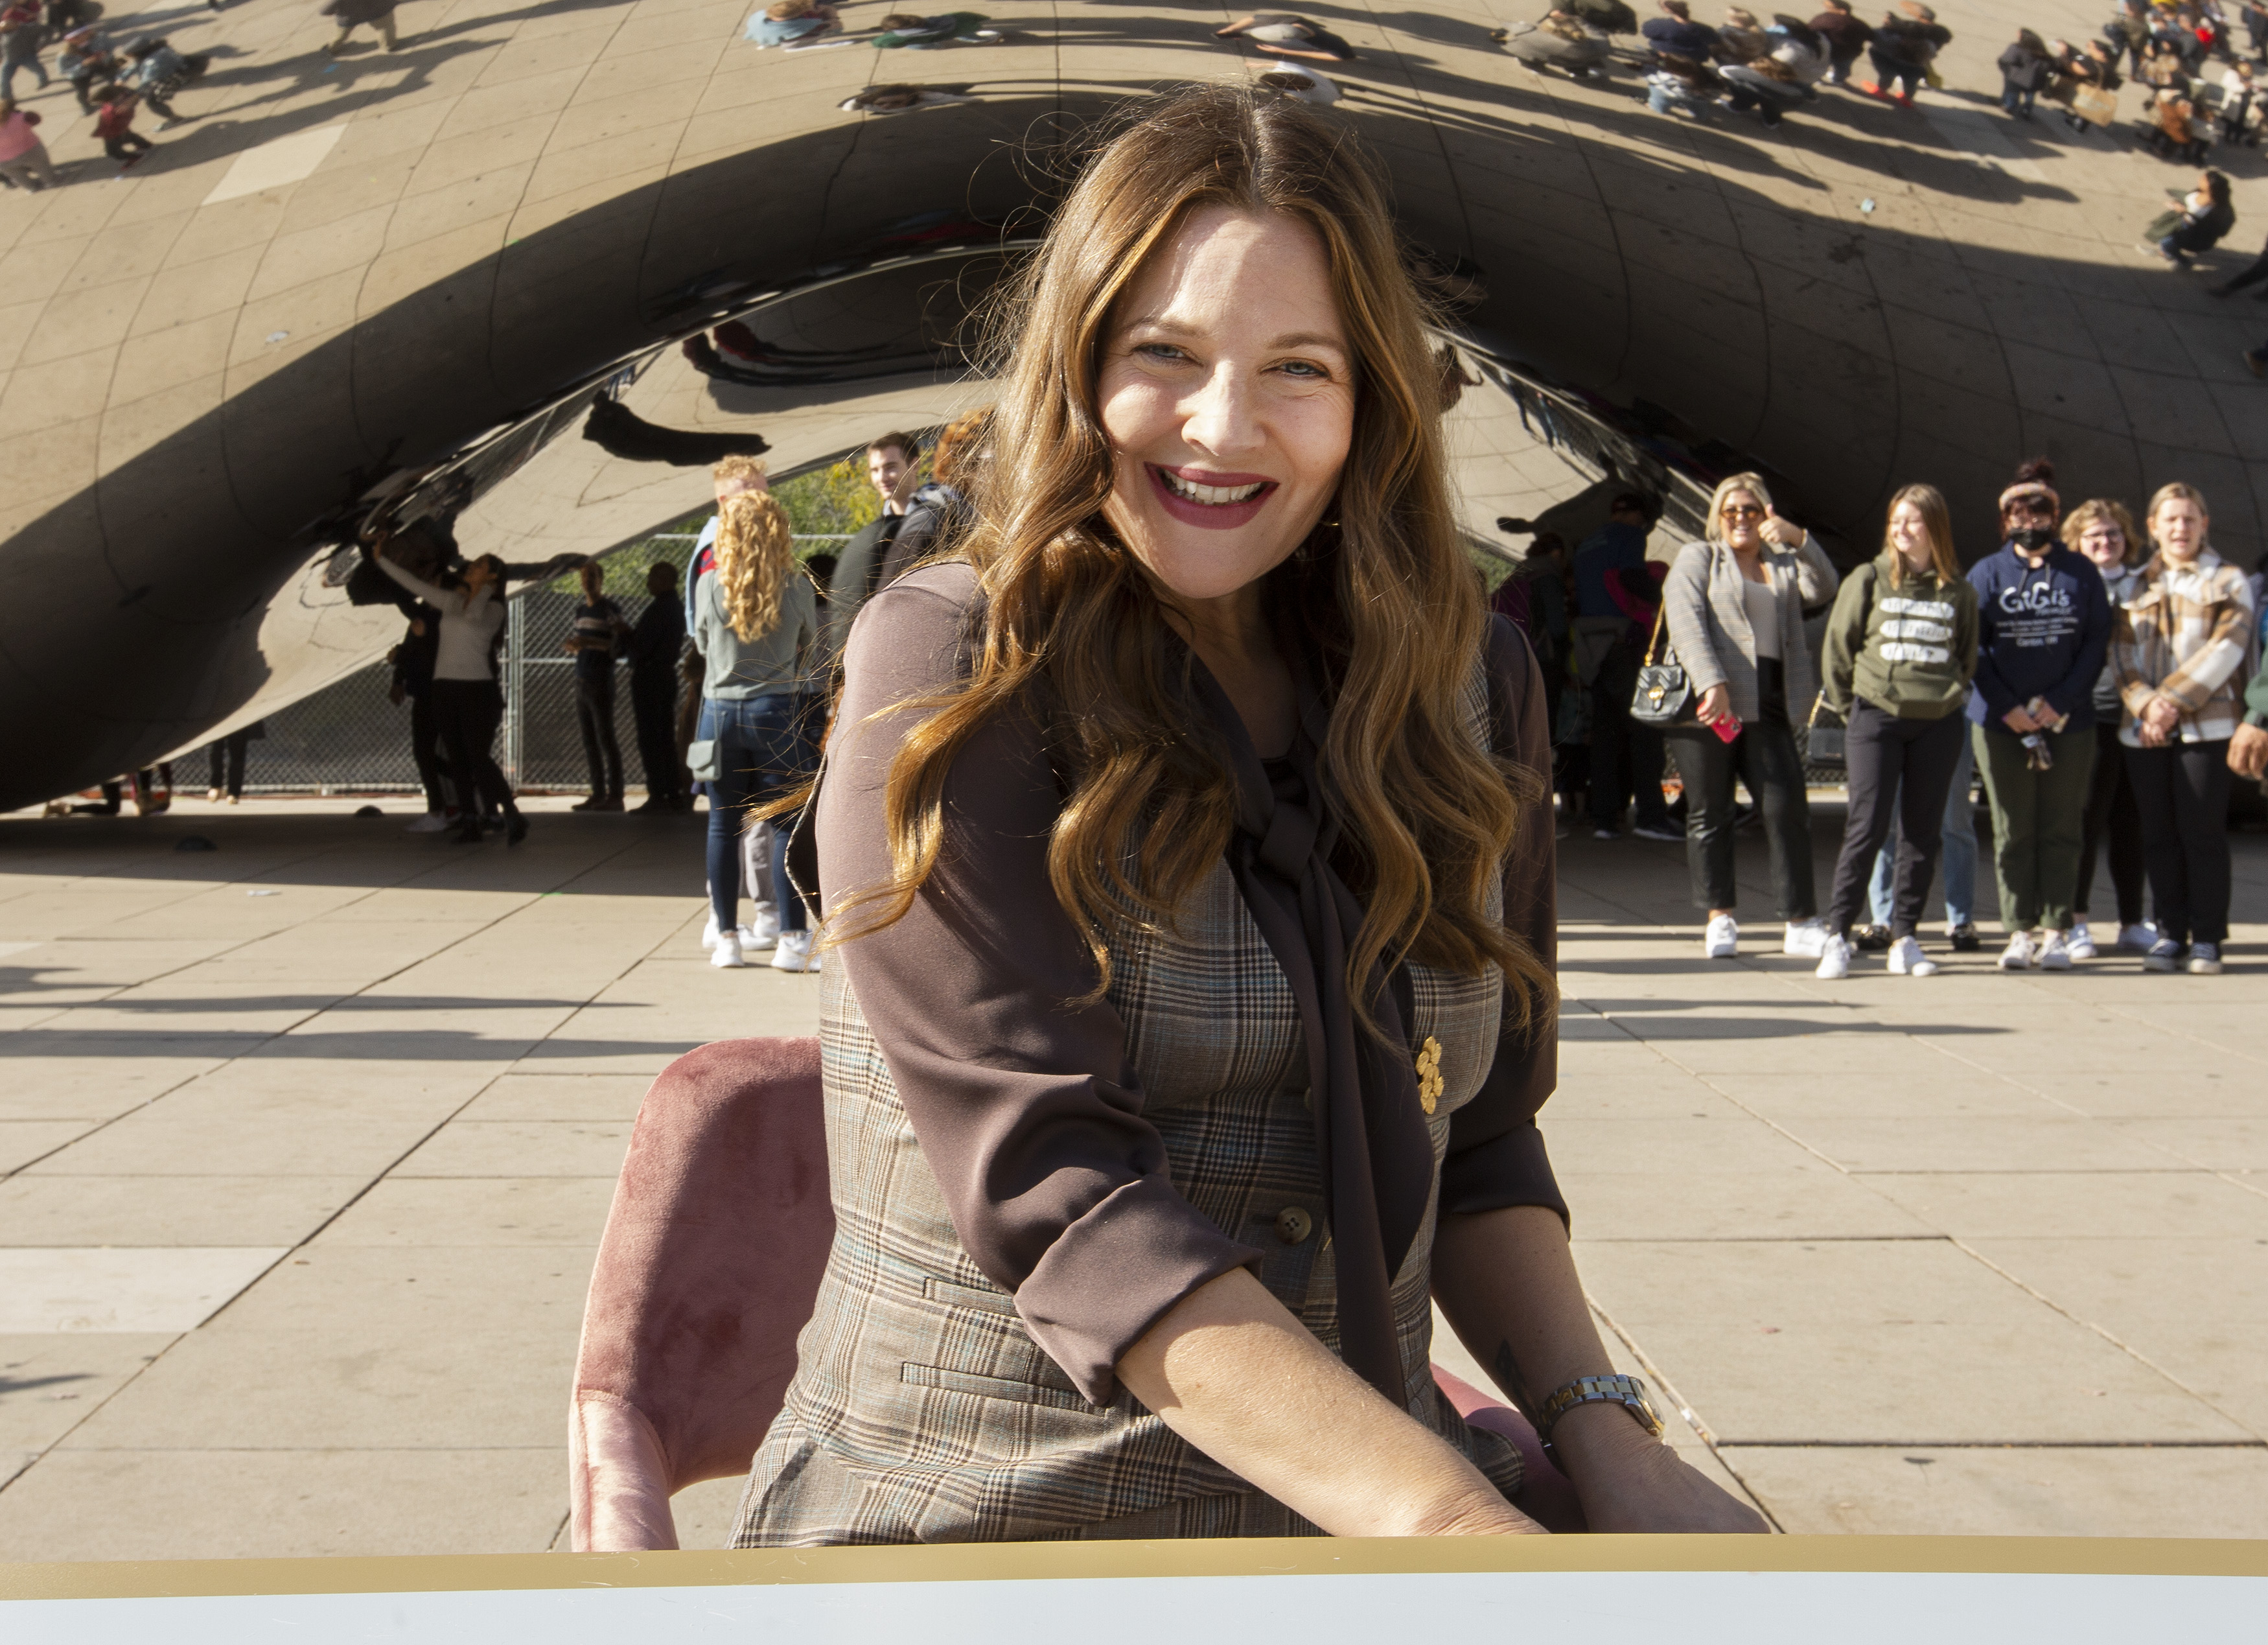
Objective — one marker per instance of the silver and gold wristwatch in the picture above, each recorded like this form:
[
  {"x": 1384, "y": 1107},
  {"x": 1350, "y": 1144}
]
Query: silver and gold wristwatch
[{"x": 1626, "y": 1391}]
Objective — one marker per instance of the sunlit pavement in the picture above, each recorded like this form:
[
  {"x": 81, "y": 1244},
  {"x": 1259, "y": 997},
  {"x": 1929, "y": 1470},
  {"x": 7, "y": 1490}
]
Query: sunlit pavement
[{"x": 310, "y": 1139}]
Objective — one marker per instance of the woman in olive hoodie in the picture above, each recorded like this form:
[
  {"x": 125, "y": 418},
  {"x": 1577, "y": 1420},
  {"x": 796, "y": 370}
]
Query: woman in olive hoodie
[{"x": 1901, "y": 650}]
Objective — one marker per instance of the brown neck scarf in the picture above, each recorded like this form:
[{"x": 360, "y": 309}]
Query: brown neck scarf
[{"x": 1371, "y": 1138}]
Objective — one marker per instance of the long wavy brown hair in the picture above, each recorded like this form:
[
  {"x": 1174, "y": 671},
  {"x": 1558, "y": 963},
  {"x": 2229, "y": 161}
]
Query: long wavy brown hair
[
  {"x": 756, "y": 551},
  {"x": 1937, "y": 526},
  {"x": 1067, "y": 619}
]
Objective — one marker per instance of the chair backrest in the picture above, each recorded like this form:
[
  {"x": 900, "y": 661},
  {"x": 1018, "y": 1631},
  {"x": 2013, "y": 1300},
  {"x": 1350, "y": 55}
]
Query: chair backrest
[{"x": 711, "y": 1259}]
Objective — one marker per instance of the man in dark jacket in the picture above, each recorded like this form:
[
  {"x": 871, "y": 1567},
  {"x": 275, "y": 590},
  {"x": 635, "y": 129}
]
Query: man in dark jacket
[
  {"x": 1845, "y": 36},
  {"x": 1676, "y": 34},
  {"x": 652, "y": 651},
  {"x": 351, "y": 15}
]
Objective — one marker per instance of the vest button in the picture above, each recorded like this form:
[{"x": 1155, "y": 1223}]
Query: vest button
[{"x": 1293, "y": 1225}]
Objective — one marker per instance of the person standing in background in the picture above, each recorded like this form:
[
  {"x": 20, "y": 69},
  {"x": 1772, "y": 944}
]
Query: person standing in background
[
  {"x": 2044, "y": 628},
  {"x": 1845, "y": 36},
  {"x": 1735, "y": 617},
  {"x": 598, "y": 628},
  {"x": 2102, "y": 530},
  {"x": 652, "y": 650},
  {"x": 227, "y": 754},
  {"x": 894, "y": 469},
  {"x": 2185, "y": 641},
  {"x": 413, "y": 678},
  {"x": 1901, "y": 650},
  {"x": 1626, "y": 758}
]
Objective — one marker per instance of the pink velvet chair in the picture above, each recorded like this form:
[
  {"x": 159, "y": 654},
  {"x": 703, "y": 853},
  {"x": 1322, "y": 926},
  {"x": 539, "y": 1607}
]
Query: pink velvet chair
[{"x": 709, "y": 1267}]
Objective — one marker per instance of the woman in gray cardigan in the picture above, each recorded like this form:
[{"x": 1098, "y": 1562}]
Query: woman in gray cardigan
[{"x": 1736, "y": 615}]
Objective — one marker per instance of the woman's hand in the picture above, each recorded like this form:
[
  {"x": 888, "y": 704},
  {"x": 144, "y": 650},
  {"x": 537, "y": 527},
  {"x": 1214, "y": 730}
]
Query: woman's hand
[
  {"x": 2020, "y": 721},
  {"x": 1716, "y": 705},
  {"x": 1629, "y": 1481},
  {"x": 2164, "y": 716},
  {"x": 1787, "y": 533},
  {"x": 2247, "y": 751}
]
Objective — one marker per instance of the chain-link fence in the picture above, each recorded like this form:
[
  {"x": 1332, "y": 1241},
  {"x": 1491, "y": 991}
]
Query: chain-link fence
[{"x": 350, "y": 738}]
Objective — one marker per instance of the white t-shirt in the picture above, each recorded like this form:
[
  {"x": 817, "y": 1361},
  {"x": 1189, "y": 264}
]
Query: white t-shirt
[{"x": 1762, "y": 601}]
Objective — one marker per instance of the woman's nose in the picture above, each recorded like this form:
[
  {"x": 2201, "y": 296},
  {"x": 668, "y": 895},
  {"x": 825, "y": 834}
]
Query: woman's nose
[{"x": 1218, "y": 417}]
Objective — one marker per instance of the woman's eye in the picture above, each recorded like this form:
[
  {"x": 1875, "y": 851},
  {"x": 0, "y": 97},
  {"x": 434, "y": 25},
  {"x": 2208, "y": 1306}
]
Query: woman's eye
[
  {"x": 1161, "y": 351},
  {"x": 1306, "y": 369}
]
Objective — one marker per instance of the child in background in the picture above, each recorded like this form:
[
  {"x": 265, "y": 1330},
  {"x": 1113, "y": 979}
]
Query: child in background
[{"x": 114, "y": 123}]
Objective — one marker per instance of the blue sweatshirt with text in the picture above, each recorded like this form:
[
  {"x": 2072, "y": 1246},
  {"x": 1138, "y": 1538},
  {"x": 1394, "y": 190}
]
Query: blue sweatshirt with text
[{"x": 2040, "y": 632}]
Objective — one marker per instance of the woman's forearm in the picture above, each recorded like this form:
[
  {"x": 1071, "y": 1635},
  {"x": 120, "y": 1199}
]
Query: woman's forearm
[
  {"x": 1231, "y": 1371},
  {"x": 1507, "y": 1282}
]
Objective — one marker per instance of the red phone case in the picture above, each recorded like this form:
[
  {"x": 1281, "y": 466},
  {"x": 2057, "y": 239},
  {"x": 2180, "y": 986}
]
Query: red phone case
[{"x": 1726, "y": 728}]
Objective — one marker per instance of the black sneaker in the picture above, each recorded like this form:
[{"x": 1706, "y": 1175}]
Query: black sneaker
[
  {"x": 515, "y": 828},
  {"x": 1965, "y": 939},
  {"x": 1870, "y": 939}
]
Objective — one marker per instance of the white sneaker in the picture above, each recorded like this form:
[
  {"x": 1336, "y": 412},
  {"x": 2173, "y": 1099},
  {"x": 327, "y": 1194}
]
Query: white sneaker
[
  {"x": 1806, "y": 939},
  {"x": 1722, "y": 940},
  {"x": 708, "y": 933},
  {"x": 794, "y": 953},
  {"x": 2080, "y": 944},
  {"x": 432, "y": 823},
  {"x": 1907, "y": 959},
  {"x": 762, "y": 931},
  {"x": 2054, "y": 954},
  {"x": 1834, "y": 958},
  {"x": 2017, "y": 957},
  {"x": 2136, "y": 939},
  {"x": 725, "y": 953}
]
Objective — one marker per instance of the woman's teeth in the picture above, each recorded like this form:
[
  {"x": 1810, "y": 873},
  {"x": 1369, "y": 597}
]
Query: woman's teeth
[{"x": 1219, "y": 496}]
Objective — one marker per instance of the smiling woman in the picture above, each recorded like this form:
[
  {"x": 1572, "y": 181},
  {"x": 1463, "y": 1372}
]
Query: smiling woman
[{"x": 1186, "y": 846}]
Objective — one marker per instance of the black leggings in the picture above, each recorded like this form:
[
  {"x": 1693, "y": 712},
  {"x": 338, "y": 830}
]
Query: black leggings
[
  {"x": 2182, "y": 791},
  {"x": 468, "y": 712},
  {"x": 433, "y": 772},
  {"x": 602, "y": 750},
  {"x": 228, "y": 763},
  {"x": 1902, "y": 764},
  {"x": 2111, "y": 816},
  {"x": 1764, "y": 757}
]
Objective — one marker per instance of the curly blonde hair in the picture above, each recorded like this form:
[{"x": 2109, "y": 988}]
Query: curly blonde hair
[{"x": 755, "y": 553}]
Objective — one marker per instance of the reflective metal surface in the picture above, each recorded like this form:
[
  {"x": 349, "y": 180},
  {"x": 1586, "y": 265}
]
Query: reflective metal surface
[{"x": 407, "y": 271}]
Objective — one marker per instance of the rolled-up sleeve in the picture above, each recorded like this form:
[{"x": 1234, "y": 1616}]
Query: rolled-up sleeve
[
  {"x": 1023, "y": 1102},
  {"x": 1496, "y": 1155}
]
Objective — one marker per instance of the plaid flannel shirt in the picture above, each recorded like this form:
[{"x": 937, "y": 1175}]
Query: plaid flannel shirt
[{"x": 2187, "y": 634}]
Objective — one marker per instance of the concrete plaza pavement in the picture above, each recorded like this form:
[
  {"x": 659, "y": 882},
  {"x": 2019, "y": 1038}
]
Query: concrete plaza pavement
[{"x": 306, "y": 1145}]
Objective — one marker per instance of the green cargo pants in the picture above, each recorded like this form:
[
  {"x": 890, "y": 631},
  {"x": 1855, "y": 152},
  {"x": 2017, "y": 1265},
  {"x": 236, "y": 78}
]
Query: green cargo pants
[{"x": 2036, "y": 819}]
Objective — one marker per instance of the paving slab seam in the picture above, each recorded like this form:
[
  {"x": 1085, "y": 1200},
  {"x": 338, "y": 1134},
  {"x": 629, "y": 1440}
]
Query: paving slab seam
[
  {"x": 2111, "y": 1337},
  {"x": 1683, "y": 1408},
  {"x": 129, "y": 1381}
]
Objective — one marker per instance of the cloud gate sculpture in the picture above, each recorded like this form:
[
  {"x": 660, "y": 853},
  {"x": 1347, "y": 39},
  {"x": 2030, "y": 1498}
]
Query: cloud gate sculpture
[{"x": 528, "y": 264}]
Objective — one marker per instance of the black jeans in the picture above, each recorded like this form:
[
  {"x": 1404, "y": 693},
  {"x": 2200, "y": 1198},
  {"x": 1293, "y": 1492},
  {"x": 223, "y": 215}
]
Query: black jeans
[
  {"x": 594, "y": 716},
  {"x": 1764, "y": 757},
  {"x": 228, "y": 763},
  {"x": 433, "y": 771},
  {"x": 2182, "y": 791},
  {"x": 2111, "y": 816},
  {"x": 1627, "y": 756},
  {"x": 468, "y": 712},
  {"x": 653, "y": 710},
  {"x": 1901, "y": 764}
]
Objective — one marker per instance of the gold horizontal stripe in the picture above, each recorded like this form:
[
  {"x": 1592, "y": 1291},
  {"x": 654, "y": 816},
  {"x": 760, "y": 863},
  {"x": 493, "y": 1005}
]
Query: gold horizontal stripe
[{"x": 1249, "y": 1556}]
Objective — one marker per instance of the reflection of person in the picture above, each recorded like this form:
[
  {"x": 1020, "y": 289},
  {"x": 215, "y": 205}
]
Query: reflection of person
[
  {"x": 1095, "y": 1059},
  {"x": 2185, "y": 638},
  {"x": 468, "y": 702},
  {"x": 894, "y": 469},
  {"x": 1561, "y": 40},
  {"x": 896, "y": 98},
  {"x": 1613, "y": 621},
  {"x": 87, "y": 62},
  {"x": 1735, "y": 606},
  {"x": 20, "y": 32},
  {"x": 114, "y": 124},
  {"x": 2104, "y": 531},
  {"x": 1902, "y": 51},
  {"x": 160, "y": 71},
  {"x": 789, "y": 22},
  {"x": 757, "y": 630},
  {"x": 1900, "y": 650},
  {"x": 596, "y": 636},
  {"x": 2044, "y": 625},
  {"x": 1845, "y": 36},
  {"x": 904, "y": 30},
  {"x": 731, "y": 476},
  {"x": 1282, "y": 34},
  {"x": 227, "y": 756},
  {"x": 23, "y": 157},
  {"x": 1296, "y": 80},
  {"x": 2198, "y": 222},
  {"x": 652, "y": 653},
  {"x": 1676, "y": 34},
  {"x": 351, "y": 15}
]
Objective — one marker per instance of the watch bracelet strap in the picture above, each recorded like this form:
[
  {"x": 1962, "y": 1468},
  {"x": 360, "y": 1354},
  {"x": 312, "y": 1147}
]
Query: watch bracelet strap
[{"x": 1630, "y": 1392}]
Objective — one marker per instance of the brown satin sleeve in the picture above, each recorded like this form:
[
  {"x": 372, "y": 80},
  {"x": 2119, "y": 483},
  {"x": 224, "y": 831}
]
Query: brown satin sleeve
[
  {"x": 1024, "y": 1105},
  {"x": 1496, "y": 1155}
]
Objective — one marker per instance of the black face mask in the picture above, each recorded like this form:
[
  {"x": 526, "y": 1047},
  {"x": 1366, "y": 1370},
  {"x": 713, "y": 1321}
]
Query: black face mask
[{"x": 2032, "y": 539}]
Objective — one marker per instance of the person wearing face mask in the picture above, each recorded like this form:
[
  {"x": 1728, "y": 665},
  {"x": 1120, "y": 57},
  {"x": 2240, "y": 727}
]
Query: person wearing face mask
[
  {"x": 1735, "y": 618},
  {"x": 1901, "y": 650},
  {"x": 1187, "y": 1015},
  {"x": 2104, "y": 531},
  {"x": 2044, "y": 628},
  {"x": 2185, "y": 642}
]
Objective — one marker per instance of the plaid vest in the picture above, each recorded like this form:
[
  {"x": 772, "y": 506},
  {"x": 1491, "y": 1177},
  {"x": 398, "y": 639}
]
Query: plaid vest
[{"x": 923, "y": 1411}]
